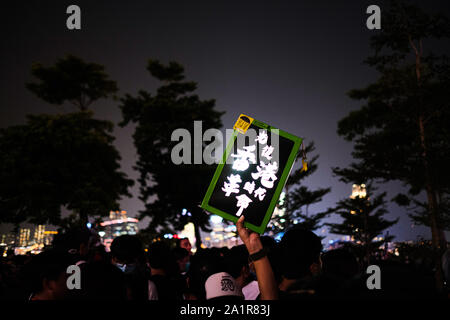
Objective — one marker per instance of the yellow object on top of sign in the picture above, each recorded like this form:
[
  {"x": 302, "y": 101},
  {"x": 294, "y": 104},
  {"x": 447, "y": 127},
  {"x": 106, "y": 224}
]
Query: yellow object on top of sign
[{"x": 243, "y": 123}]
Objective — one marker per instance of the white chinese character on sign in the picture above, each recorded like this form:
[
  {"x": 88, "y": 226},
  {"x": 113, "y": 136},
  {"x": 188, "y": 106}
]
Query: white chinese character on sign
[
  {"x": 243, "y": 202},
  {"x": 260, "y": 193},
  {"x": 267, "y": 174},
  {"x": 233, "y": 185},
  {"x": 262, "y": 137},
  {"x": 267, "y": 152},
  {"x": 243, "y": 158},
  {"x": 249, "y": 186}
]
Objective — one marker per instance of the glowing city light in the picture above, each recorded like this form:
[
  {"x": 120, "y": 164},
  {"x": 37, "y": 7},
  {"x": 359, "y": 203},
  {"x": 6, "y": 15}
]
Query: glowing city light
[{"x": 216, "y": 219}]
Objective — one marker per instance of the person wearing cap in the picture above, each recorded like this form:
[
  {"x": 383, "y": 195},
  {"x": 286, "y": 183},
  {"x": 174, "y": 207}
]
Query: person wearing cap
[{"x": 222, "y": 286}]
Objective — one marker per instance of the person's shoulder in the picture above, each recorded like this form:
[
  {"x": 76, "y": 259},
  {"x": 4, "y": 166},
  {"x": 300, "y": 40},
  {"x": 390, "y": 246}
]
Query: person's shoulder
[
  {"x": 251, "y": 290},
  {"x": 158, "y": 279},
  {"x": 152, "y": 291},
  {"x": 301, "y": 294}
]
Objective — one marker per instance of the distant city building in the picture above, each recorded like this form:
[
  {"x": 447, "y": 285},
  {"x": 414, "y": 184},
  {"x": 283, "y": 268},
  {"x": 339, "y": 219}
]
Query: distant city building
[
  {"x": 48, "y": 237},
  {"x": 23, "y": 243},
  {"x": 39, "y": 234},
  {"x": 8, "y": 239},
  {"x": 358, "y": 190},
  {"x": 24, "y": 237},
  {"x": 118, "y": 224},
  {"x": 3, "y": 246},
  {"x": 11, "y": 239},
  {"x": 116, "y": 215}
]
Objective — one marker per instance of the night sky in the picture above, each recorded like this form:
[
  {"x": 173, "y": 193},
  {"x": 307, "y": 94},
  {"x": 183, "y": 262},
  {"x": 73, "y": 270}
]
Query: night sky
[{"x": 286, "y": 63}]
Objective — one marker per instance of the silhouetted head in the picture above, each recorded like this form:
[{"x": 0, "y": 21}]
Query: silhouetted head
[
  {"x": 339, "y": 263},
  {"x": 160, "y": 256},
  {"x": 185, "y": 244},
  {"x": 46, "y": 275},
  {"x": 74, "y": 241},
  {"x": 204, "y": 263},
  {"x": 237, "y": 261},
  {"x": 126, "y": 249},
  {"x": 102, "y": 281},
  {"x": 238, "y": 265},
  {"x": 182, "y": 258},
  {"x": 299, "y": 251}
]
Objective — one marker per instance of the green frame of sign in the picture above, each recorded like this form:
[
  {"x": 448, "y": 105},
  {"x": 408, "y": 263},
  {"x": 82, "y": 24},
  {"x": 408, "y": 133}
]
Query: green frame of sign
[{"x": 285, "y": 174}]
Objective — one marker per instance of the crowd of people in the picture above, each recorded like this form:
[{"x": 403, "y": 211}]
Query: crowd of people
[{"x": 259, "y": 269}]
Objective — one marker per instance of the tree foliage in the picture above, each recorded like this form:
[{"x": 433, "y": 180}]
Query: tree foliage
[
  {"x": 63, "y": 160},
  {"x": 363, "y": 219},
  {"x": 166, "y": 188},
  {"x": 298, "y": 198},
  {"x": 402, "y": 131},
  {"x": 55, "y": 161},
  {"x": 71, "y": 80}
]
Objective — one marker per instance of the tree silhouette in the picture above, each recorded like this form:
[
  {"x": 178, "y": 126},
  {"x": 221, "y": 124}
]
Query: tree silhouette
[
  {"x": 363, "y": 220},
  {"x": 72, "y": 80},
  {"x": 298, "y": 198},
  {"x": 56, "y": 161},
  {"x": 402, "y": 132},
  {"x": 62, "y": 160},
  {"x": 166, "y": 188}
]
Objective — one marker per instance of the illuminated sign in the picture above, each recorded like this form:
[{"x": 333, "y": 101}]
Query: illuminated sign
[
  {"x": 117, "y": 221},
  {"x": 50, "y": 232},
  {"x": 253, "y": 172}
]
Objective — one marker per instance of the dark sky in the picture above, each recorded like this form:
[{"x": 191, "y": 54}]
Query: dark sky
[{"x": 287, "y": 63}]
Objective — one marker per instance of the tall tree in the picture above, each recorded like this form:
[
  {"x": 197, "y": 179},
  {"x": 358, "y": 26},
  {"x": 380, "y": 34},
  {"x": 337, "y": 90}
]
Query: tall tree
[
  {"x": 298, "y": 198},
  {"x": 168, "y": 188},
  {"x": 362, "y": 219},
  {"x": 56, "y": 161},
  {"x": 62, "y": 160},
  {"x": 402, "y": 132}
]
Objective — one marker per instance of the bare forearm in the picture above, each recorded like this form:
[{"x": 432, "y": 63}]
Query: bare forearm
[{"x": 266, "y": 279}]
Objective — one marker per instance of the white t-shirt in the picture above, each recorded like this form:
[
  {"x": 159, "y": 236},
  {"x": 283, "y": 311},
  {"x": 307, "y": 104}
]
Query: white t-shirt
[{"x": 251, "y": 291}]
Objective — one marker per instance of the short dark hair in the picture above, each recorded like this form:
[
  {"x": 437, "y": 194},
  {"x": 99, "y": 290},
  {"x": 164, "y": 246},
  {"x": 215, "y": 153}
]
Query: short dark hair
[
  {"x": 299, "y": 249},
  {"x": 46, "y": 265},
  {"x": 71, "y": 239},
  {"x": 236, "y": 258},
  {"x": 180, "y": 253},
  {"x": 126, "y": 248},
  {"x": 340, "y": 263},
  {"x": 160, "y": 256},
  {"x": 204, "y": 263}
]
